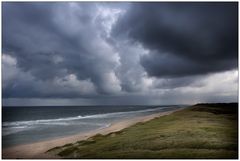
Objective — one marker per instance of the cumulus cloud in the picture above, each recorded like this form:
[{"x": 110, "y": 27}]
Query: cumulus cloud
[
  {"x": 20, "y": 84},
  {"x": 50, "y": 44},
  {"x": 118, "y": 53}
]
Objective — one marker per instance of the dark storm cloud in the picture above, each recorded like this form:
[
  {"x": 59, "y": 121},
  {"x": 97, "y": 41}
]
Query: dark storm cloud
[
  {"x": 184, "y": 39},
  {"x": 52, "y": 40},
  {"x": 30, "y": 35},
  {"x": 104, "y": 53}
]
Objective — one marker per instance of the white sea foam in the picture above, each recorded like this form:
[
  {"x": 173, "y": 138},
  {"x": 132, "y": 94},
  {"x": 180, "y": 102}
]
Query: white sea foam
[
  {"x": 62, "y": 121},
  {"x": 11, "y": 130},
  {"x": 15, "y": 129},
  {"x": 18, "y": 126}
]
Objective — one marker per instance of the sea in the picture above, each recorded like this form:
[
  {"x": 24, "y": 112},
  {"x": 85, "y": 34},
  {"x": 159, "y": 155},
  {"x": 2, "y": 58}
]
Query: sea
[{"x": 23, "y": 125}]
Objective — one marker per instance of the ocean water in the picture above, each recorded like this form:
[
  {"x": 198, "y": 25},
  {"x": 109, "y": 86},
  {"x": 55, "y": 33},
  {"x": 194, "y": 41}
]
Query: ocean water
[{"x": 22, "y": 125}]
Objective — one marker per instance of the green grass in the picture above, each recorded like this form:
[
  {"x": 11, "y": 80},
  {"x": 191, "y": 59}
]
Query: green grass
[{"x": 200, "y": 131}]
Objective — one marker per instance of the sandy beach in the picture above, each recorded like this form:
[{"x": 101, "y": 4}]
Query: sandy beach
[{"x": 38, "y": 149}]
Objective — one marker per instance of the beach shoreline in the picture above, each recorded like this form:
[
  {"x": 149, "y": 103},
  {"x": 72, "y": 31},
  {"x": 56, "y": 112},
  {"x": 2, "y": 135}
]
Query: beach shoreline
[{"x": 37, "y": 150}]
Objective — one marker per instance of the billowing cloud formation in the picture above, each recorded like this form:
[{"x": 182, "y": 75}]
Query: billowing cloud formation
[
  {"x": 184, "y": 38},
  {"x": 118, "y": 53},
  {"x": 51, "y": 44}
]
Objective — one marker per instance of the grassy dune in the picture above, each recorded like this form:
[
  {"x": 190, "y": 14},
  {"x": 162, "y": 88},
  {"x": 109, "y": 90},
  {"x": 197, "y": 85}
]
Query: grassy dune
[{"x": 200, "y": 131}]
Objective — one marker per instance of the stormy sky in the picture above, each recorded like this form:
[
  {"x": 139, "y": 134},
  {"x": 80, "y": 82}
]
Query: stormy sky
[{"x": 90, "y": 53}]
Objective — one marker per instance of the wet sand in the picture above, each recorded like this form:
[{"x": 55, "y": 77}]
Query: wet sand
[{"x": 37, "y": 150}]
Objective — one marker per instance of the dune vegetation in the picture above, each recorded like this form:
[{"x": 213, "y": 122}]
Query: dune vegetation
[{"x": 199, "y": 131}]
